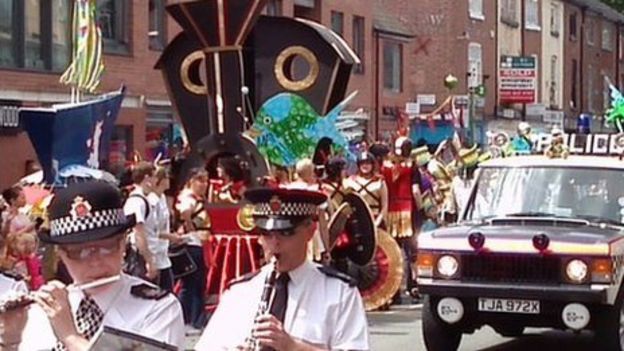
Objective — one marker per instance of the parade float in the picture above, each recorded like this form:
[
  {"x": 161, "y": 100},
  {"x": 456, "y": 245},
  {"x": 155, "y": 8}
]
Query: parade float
[{"x": 241, "y": 96}]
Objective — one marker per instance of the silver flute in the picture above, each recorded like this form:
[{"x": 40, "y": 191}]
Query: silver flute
[
  {"x": 24, "y": 299},
  {"x": 266, "y": 300}
]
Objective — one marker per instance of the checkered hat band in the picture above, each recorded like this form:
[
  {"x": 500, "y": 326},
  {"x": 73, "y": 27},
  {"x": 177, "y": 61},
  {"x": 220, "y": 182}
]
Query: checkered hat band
[
  {"x": 285, "y": 209},
  {"x": 95, "y": 220}
]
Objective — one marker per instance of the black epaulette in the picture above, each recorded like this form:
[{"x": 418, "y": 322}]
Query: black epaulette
[
  {"x": 243, "y": 278},
  {"x": 13, "y": 275},
  {"x": 334, "y": 273},
  {"x": 149, "y": 292}
]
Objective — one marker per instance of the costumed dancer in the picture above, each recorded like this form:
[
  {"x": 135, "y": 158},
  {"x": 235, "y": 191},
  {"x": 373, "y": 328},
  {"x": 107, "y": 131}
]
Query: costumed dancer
[
  {"x": 523, "y": 144},
  {"x": 333, "y": 185},
  {"x": 380, "y": 279},
  {"x": 371, "y": 186},
  {"x": 557, "y": 147},
  {"x": 235, "y": 178},
  {"x": 404, "y": 200}
]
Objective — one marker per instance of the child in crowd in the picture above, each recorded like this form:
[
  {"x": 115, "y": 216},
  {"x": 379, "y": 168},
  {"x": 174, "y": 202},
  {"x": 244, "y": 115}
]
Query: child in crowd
[{"x": 20, "y": 257}]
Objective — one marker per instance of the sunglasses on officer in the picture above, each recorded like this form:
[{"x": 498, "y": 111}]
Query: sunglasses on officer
[
  {"x": 103, "y": 248},
  {"x": 285, "y": 232}
]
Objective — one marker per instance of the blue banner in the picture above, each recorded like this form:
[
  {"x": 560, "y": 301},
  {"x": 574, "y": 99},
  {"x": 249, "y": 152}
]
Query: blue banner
[{"x": 72, "y": 134}]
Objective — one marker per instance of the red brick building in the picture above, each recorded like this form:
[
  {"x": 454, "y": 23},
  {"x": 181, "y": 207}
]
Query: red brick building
[
  {"x": 593, "y": 52},
  {"x": 32, "y": 61}
]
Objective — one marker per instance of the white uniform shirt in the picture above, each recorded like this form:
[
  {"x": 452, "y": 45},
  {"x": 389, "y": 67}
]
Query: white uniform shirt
[
  {"x": 187, "y": 201},
  {"x": 10, "y": 286},
  {"x": 158, "y": 319},
  {"x": 136, "y": 205},
  {"x": 322, "y": 310},
  {"x": 160, "y": 247}
]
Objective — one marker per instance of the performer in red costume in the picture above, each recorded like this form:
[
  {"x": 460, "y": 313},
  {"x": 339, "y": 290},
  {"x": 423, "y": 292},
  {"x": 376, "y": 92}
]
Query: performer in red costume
[
  {"x": 234, "y": 177},
  {"x": 404, "y": 200}
]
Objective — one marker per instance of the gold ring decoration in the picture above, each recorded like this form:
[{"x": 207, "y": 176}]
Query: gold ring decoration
[
  {"x": 388, "y": 262},
  {"x": 284, "y": 64},
  {"x": 192, "y": 84},
  {"x": 244, "y": 218}
]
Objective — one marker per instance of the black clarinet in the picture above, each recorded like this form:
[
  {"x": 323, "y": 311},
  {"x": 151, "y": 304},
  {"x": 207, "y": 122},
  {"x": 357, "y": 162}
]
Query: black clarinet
[{"x": 266, "y": 300}]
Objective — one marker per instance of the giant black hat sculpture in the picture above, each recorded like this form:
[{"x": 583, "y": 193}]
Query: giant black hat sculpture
[{"x": 221, "y": 68}]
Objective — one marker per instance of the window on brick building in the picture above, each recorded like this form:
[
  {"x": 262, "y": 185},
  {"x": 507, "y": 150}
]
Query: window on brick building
[
  {"x": 607, "y": 36},
  {"x": 337, "y": 22},
  {"x": 476, "y": 9},
  {"x": 554, "y": 83},
  {"x": 509, "y": 12},
  {"x": 113, "y": 18},
  {"x": 555, "y": 19},
  {"x": 359, "y": 30},
  {"x": 475, "y": 65},
  {"x": 531, "y": 10},
  {"x": 157, "y": 25},
  {"x": 573, "y": 90},
  {"x": 274, "y": 8},
  {"x": 162, "y": 133},
  {"x": 35, "y": 34},
  {"x": 589, "y": 31},
  {"x": 572, "y": 25},
  {"x": 393, "y": 66}
]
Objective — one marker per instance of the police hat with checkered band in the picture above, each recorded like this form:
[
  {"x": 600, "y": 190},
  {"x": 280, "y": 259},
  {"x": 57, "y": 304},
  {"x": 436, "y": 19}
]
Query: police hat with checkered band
[
  {"x": 283, "y": 209},
  {"x": 86, "y": 211}
]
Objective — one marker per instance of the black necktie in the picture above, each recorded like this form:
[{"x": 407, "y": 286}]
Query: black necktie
[
  {"x": 278, "y": 309},
  {"x": 89, "y": 318}
]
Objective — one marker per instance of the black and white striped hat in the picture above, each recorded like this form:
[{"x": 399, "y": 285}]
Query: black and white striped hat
[
  {"x": 278, "y": 209},
  {"x": 86, "y": 211}
]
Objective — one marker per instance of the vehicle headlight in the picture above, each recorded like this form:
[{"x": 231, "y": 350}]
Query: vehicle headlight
[
  {"x": 576, "y": 270},
  {"x": 447, "y": 266}
]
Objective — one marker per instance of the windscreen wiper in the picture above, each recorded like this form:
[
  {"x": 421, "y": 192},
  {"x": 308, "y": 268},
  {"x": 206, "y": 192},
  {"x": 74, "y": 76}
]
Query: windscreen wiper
[{"x": 600, "y": 220}]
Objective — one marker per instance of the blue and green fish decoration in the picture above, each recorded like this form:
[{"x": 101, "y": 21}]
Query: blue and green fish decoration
[
  {"x": 287, "y": 129},
  {"x": 615, "y": 114}
]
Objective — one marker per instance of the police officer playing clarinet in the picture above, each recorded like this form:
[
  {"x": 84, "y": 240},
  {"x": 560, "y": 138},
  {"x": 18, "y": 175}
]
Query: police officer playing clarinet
[{"x": 291, "y": 303}]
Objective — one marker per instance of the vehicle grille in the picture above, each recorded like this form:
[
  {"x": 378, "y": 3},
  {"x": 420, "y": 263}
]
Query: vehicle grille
[{"x": 511, "y": 268}]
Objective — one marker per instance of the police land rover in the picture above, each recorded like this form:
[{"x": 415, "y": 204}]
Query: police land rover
[{"x": 540, "y": 244}]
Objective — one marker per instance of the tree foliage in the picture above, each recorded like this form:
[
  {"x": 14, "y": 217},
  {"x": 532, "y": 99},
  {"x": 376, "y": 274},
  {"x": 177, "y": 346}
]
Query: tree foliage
[{"x": 616, "y": 4}]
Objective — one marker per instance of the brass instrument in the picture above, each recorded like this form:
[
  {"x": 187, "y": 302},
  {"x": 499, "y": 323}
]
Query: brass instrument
[
  {"x": 24, "y": 299},
  {"x": 266, "y": 300}
]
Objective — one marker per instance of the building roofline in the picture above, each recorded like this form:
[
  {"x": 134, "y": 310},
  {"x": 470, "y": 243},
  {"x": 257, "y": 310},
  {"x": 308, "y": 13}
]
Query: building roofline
[{"x": 601, "y": 8}]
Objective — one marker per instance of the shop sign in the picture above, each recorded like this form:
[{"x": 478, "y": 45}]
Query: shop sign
[
  {"x": 412, "y": 108},
  {"x": 517, "y": 79},
  {"x": 426, "y": 99}
]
